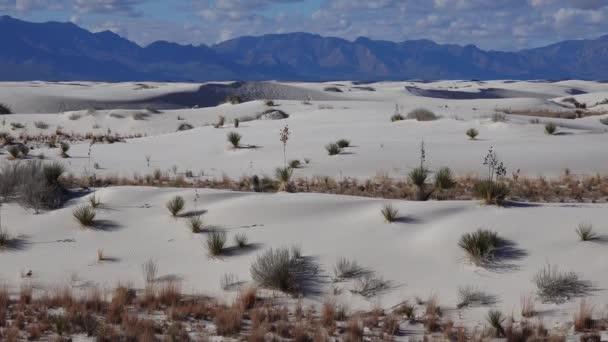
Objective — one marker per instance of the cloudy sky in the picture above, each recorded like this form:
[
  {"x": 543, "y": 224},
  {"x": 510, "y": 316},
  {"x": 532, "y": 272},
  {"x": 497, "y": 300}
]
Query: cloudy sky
[{"x": 490, "y": 24}]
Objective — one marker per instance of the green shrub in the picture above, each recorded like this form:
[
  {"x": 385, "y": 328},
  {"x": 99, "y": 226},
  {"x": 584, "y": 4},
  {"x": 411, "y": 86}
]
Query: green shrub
[
  {"x": 444, "y": 179},
  {"x": 85, "y": 215},
  {"x": 53, "y": 172},
  {"x": 235, "y": 139},
  {"x": 343, "y": 143},
  {"x": 480, "y": 246},
  {"x": 496, "y": 319},
  {"x": 333, "y": 149},
  {"x": 472, "y": 133},
  {"x": 216, "y": 240},
  {"x": 422, "y": 114},
  {"x": 283, "y": 175},
  {"x": 276, "y": 269},
  {"x": 175, "y": 205},
  {"x": 196, "y": 224},
  {"x": 550, "y": 128},
  {"x": 418, "y": 177},
  {"x": 390, "y": 213}
]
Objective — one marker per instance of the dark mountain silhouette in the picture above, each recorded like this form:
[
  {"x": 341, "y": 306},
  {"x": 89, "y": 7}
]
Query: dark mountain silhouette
[{"x": 64, "y": 51}]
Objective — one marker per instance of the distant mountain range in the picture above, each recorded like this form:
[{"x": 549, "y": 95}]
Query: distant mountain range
[{"x": 64, "y": 51}]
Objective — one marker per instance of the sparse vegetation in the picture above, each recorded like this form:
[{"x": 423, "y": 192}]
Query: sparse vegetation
[
  {"x": 550, "y": 128},
  {"x": 276, "y": 269},
  {"x": 333, "y": 149},
  {"x": 64, "y": 147},
  {"x": 234, "y": 139},
  {"x": 343, "y": 143},
  {"x": 240, "y": 240},
  {"x": 236, "y": 123},
  {"x": 196, "y": 224},
  {"x": 216, "y": 241},
  {"x": 471, "y": 296},
  {"x": 480, "y": 246},
  {"x": 495, "y": 318},
  {"x": 220, "y": 121},
  {"x": 4, "y": 109},
  {"x": 347, "y": 269},
  {"x": 176, "y": 205},
  {"x": 604, "y": 120},
  {"x": 490, "y": 189},
  {"x": 149, "y": 270},
  {"x": 85, "y": 216},
  {"x": 444, "y": 179},
  {"x": 390, "y": 213},
  {"x": 294, "y": 164},
  {"x": 41, "y": 125},
  {"x": 553, "y": 286},
  {"x": 333, "y": 89},
  {"x": 184, "y": 126},
  {"x": 5, "y": 239},
  {"x": 32, "y": 184},
  {"x": 472, "y": 133},
  {"x": 422, "y": 114},
  {"x": 585, "y": 232},
  {"x": 283, "y": 176}
]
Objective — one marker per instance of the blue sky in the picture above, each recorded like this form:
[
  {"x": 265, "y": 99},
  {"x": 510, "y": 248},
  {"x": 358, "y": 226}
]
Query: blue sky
[{"x": 490, "y": 24}]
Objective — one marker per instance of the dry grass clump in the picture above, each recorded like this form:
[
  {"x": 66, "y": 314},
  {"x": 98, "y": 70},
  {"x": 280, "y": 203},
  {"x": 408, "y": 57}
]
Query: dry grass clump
[
  {"x": 241, "y": 240},
  {"x": 41, "y": 125},
  {"x": 528, "y": 306},
  {"x": 64, "y": 147},
  {"x": 196, "y": 224},
  {"x": 583, "y": 319},
  {"x": 471, "y": 296},
  {"x": 496, "y": 319},
  {"x": 85, "y": 216},
  {"x": 343, "y": 143},
  {"x": 397, "y": 117},
  {"x": 422, "y": 114},
  {"x": 277, "y": 269},
  {"x": 176, "y": 205},
  {"x": 480, "y": 246},
  {"x": 347, "y": 269},
  {"x": 553, "y": 286}
]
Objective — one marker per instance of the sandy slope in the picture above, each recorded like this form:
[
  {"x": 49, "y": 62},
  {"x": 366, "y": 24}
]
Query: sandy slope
[{"x": 418, "y": 255}]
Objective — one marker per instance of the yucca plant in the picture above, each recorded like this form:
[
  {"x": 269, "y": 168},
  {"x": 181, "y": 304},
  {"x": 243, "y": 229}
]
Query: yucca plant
[
  {"x": 550, "y": 128},
  {"x": 64, "y": 147},
  {"x": 390, "y": 213},
  {"x": 176, "y": 205},
  {"x": 276, "y": 269},
  {"x": 94, "y": 201},
  {"x": 418, "y": 177},
  {"x": 283, "y": 175},
  {"x": 216, "y": 240},
  {"x": 480, "y": 246},
  {"x": 585, "y": 232},
  {"x": 333, "y": 149},
  {"x": 85, "y": 216},
  {"x": 236, "y": 123},
  {"x": 444, "y": 179},
  {"x": 196, "y": 224},
  {"x": 53, "y": 172},
  {"x": 495, "y": 318},
  {"x": 240, "y": 240},
  {"x": 235, "y": 139},
  {"x": 472, "y": 133},
  {"x": 220, "y": 121}
]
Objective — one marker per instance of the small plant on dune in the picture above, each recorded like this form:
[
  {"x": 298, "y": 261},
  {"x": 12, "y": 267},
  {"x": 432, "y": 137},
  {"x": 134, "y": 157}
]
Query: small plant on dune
[
  {"x": 17, "y": 125},
  {"x": 149, "y": 270},
  {"x": 220, "y": 121},
  {"x": 343, "y": 143},
  {"x": 14, "y": 152},
  {"x": 550, "y": 128},
  {"x": 4, "y": 109},
  {"x": 284, "y": 138},
  {"x": 216, "y": 240},
  {"x": 444, "y": 179},
  {"x": 240, "y": 240},
  {"x": 397, "y": 117},
  {"x": 176, "y": 205},
  {"x": 234, "y": 139},
  {"x": 480, "y": 246},
  {"x": 421, "y": 114},
  {"x": 553, "y": 286},
  {"x": 196, "y": 224},
  {"x": 94, "y": 201},
  {"x": 470, "y": 296},
  {"x": 5, "y": 239},
  {"x": 495, "y": 318},
  {"x": 585, "y": 232},
  {"x": 472, "y": 133},
  {"x": 64, "y": 147},
  {"x": 283, "y": 175},
  {"x": 528, "y": 306},
  {"x": 390, "y": 213},
  {"x": 236, "y": 123},
  {"x": 85, "y": 216},
  {"x": 490, "y": 189},
  {"x": 41, "y": 125},
  {"x": 276, "y": 269},
  {"x": 53, "y": 171},
  {"x": 294, "y": 164},
  {"x": 347, "y": 269},
  {"x": 333, "y": 149},
  {"x": 419, "y": 176}
]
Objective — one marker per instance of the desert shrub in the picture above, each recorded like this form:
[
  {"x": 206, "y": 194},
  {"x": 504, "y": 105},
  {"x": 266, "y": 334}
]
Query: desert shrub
[
  {"x": 184, "y": 127},
  {"x": 176, "y": 205},
  {"x": 283, "y": 175},
  {"x": 492, "y": 193},
  {"x": 480, "y": 246},
  {"x": 64, "y": 147},
  {"x": 276, "y": 269},
  {"x": 28, "y": 184},
  {"x": 4, "y": 109},
  {"x": 550, "y": 128},
  {"x": 527, "y": 306},
  {"x": 269, "y": 103},
  {"x": 333, "y": 89},
  {"x": 234, "y": 138},
  {"x": 422, "y": 114},
  {"x": 347, "y": 269},
  {"x": 585, "y": 232},
  {"x": 41, "y": 125},
  {"x": 499, "y": 117},
  {"x": 333, "y": 149},
  {"x": 495, "y": 318},
  {"x": 418, "y": 176},
  {"x": 240, "y": 240},
  {"x": 216, "y": 240},
  {"x": 343, "y": 143},
  {"x": 17, "y": 125},
  {"x": 369, "y": 285},
  {"x": 444, "y": 179},
  {"x": 397, "y": 117},
  {"x": 294, "y": 164},
  {"x": 389, "y": 212},
  {"x": 471, "y": 296},
  {"x": 84, "y": 215},
  {"x": 196, "y": 224},
  {"x": 52, "y": 172},
  {"x": 220, "y": 121},
  {"x": 472, "y": 133},
  {"x": 236, "y": 123},
  {"x": 553, "y": 286},
  {"x": 228, "y": 321},
  {"x": 604, "y": 120},
  {"x": 5, "y": 239},
  {"x": 14, "y": 152}
]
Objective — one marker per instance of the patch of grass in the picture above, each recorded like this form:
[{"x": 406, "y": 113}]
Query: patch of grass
[
  {"x": 149, "y": 270},
  {"x": 550, "y": 128},
  {"x": 176, "y": 205},
  {"x": 53, "y": 171},
  {"x": 528, "y": 306},
  {"x": 471, "y": 296},
  {"x": 94, "y": 201},
  {"x": 283, "y": 175},
  {"x": 390, "y": 213},
  {"x": 196, "y": 224},
  {"x": 347, "y": 269},
  {"x": 444, "y": 179},
  {"x": 343, "y": 143},
  {"x": 480, "y": 246},
  {"x": 422, "y": 114},
  {"x": 216, "y": 241},
  {"x": 276, "y": 269},
  {"x": 241, "y": 240},
  {"x": 472, "y": 133},
  {"x": 220, "y": 121},
  {"x": 553, "y": 286},
  {"x": 583, "y": 319},
  {"x": 333, "y": 149},
  {"x": 491, "y": 192},
  {"x": 85, "y": 216},
  {"x": 585, "y": 232},
  {"x": 235, "y": 139},
  {"x": 418, "y": 177}
]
